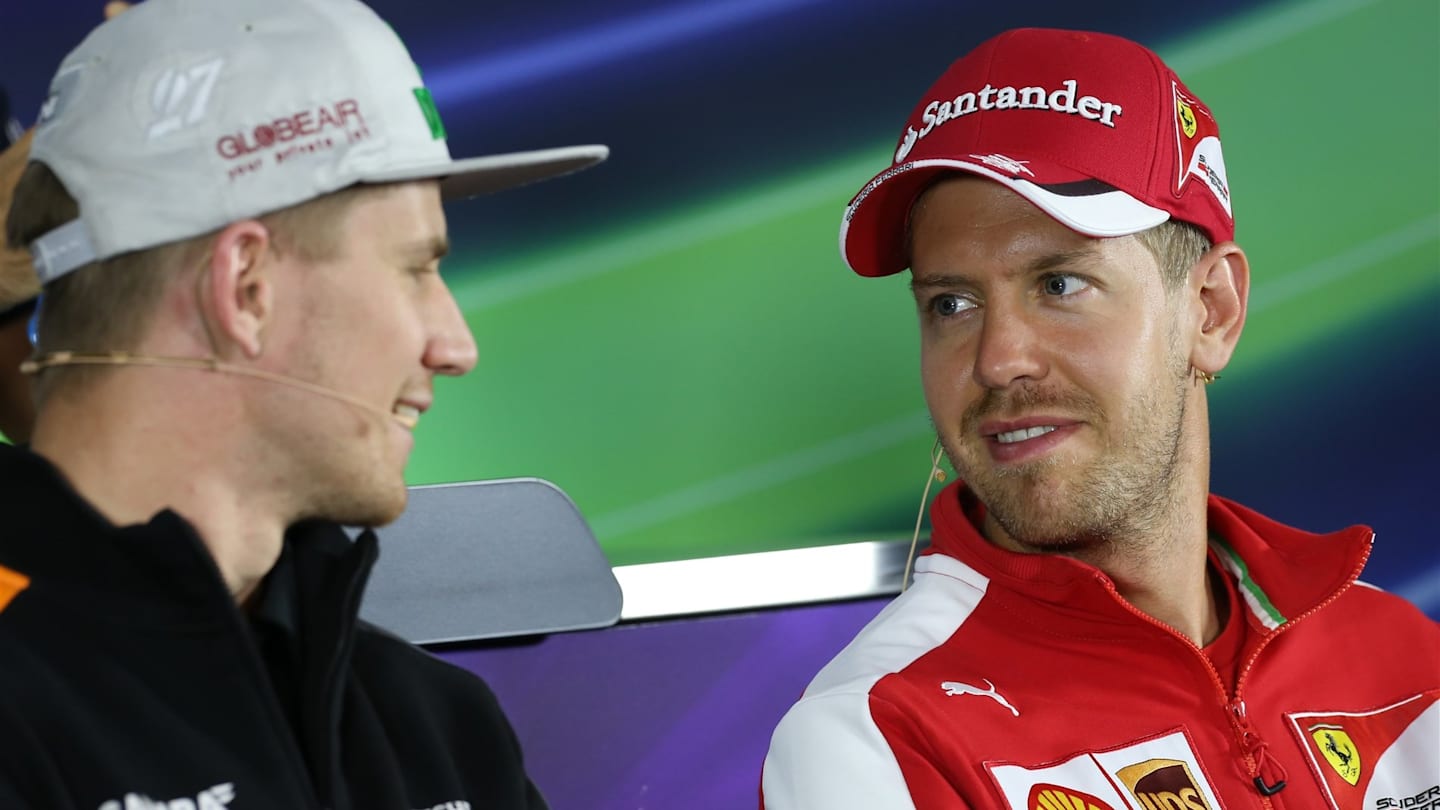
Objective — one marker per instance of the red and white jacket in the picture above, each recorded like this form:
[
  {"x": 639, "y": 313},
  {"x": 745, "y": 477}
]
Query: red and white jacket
[{"x": 1003, "y": 680}]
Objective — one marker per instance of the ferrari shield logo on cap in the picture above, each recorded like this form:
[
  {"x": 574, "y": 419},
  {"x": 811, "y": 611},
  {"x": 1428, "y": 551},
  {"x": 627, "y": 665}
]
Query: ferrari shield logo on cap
[
  {"x": 1185, "y": 116},
  {"x": 1338, "y": 749},
  {"x": 1197, "y": 140}
]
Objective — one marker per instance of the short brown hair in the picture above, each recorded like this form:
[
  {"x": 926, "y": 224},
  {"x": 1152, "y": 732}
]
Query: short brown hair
[{"x": 107, "y": 305}]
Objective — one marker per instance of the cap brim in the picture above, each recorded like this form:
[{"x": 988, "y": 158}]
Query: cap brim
[
  {"x": 872, "y": 233},
  {"x": 491, "y": 173}
]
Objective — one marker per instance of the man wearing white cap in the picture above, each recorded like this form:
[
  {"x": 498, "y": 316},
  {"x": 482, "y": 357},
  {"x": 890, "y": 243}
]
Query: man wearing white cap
[
  {"x": 1091, "y": 629},
  {"x": 235, "y": 210}
]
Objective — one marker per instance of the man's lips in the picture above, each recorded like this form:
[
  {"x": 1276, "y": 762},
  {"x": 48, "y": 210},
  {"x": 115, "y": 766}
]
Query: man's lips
[
  {"x": 992, "y": 428},
  {"x": 1021, "y": 434},
  {"x": 1016, "y": 440},
  {"x": 407, "y": 412}
]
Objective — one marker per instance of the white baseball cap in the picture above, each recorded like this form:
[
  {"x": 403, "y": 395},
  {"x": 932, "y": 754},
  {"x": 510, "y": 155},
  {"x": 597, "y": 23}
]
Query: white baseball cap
[{"x": 181, "y": 116}]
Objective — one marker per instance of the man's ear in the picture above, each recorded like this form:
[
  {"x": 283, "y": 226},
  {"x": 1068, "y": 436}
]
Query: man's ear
[
  {"x": 1219, "y": 290},
  {"x": 238, "y": 293}
]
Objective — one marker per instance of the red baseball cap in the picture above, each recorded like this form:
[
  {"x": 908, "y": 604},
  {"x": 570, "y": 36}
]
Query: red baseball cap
[{"x": 1093, "y": 129}]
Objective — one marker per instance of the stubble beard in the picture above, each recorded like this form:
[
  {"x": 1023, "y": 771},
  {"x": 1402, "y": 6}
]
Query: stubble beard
[
  {"x": 1059, "y": 504},
  {"x": 357, "y": 484},
  {"x": 338, "y": 464},
  {"x": 350, "y": 507}
]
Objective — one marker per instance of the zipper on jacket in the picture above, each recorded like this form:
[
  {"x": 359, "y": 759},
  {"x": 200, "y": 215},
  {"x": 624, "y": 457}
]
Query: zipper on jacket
[
  {"x": 1249, "y": 746},
  {"x": 332, "y": 707},
  {"x": 278, "y": 723},
  {"x": 1272, "y": 783},
  {"x": 250, "y": 651},
  {"x": 1268, "y": 775}
]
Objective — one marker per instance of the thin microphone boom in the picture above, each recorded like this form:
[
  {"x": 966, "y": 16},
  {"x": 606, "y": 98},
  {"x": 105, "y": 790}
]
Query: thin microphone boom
[
  {"x": 936, "y": 474},
  {"x": 215, "y": 364}
]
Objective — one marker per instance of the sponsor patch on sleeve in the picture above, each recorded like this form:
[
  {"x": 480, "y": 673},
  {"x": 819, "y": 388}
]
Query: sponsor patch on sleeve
[
  {"x": 1376, "y": 760},
  {"x": 1157, "y": 773}
]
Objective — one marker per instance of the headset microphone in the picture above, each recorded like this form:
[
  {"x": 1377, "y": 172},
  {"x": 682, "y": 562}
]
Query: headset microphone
[
  {"x": 936, "y": 474},
  {"x": 215, "y": 364}
]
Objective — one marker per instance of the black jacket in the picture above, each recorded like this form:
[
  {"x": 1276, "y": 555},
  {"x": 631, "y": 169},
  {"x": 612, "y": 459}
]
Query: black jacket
[{"x": 129, "y": 677}]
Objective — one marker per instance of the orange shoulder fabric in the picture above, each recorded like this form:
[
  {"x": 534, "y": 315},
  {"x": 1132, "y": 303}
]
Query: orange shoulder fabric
[{"x": 11, "y": 583}]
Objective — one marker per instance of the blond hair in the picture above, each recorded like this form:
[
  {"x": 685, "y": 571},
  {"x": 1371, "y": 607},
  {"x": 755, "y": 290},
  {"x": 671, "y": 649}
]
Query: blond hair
[{"x": 1176, "y": 246}]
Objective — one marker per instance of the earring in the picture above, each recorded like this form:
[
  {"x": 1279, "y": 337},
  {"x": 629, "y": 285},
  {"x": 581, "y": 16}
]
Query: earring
[{"x": 1206, "y": 377}]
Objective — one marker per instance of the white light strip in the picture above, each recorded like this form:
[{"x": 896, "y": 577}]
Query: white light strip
[{"x": 745, "y": 581}]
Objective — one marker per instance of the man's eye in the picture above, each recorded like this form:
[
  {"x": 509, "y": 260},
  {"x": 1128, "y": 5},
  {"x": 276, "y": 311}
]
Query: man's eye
[
  {"x": 1062, "y": 285},
  {"x": 948, "y": 305}
]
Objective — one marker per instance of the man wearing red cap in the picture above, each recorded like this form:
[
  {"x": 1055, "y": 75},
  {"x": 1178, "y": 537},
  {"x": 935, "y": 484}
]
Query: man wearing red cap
[{"x": 1091, "y": 629}]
